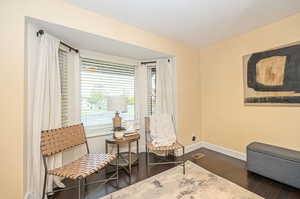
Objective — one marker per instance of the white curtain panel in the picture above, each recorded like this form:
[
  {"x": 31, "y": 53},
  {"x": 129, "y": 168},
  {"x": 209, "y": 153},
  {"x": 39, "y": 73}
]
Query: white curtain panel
[
  {"x": 34, "y": 177},
  {"x": 43, "y": 106},
  {"x": 73, "y": 64},
  {"x": 141, "y": 95},
  {"x": 51, "y": 118},
  {"x": 166, "y": 87}
]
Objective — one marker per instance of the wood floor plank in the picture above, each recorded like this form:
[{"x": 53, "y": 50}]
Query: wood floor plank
[{"x": 227, "y": 167}]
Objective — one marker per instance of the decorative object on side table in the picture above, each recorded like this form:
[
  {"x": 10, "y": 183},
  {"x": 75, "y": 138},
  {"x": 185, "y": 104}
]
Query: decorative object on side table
[
  {"x": 118, "y": 104},
  {"x": 132, "y": 128}
]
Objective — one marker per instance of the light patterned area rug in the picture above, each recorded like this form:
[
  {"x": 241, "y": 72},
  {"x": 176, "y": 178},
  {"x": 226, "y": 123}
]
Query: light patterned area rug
[{"x": 197, "y": 183}]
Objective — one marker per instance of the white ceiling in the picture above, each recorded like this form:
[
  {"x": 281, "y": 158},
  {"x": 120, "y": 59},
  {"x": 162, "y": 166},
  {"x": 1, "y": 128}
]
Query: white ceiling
[
  {"x": 88, "y": 41},
  {"x": 194, "y": 22}
]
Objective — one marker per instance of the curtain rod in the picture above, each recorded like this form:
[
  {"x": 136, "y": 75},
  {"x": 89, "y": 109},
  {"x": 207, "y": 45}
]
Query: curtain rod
[
  {"x": 41, "y": 32},
  {"x": 149, "y": 62}
]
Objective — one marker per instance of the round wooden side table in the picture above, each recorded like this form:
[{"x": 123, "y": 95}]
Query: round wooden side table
[{"x": 126, "y": 159}]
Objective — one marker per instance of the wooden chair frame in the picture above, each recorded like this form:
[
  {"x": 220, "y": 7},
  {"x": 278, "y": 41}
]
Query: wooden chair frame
[
  {"x": 48, "y": 150},
  {"x": 150, "y": 147}
]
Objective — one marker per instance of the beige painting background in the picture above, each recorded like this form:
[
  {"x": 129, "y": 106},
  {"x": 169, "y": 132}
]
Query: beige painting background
[{"x": 250, "y": 92}]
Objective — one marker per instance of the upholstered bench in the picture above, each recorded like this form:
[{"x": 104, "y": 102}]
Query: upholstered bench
[{"x": 274, "y": 162}]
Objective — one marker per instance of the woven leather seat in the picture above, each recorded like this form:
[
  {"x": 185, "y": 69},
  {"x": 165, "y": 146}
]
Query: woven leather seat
[
  {"x": 84, "y": 166},
  {"x": 175, "y": 146},
  {"x": 59, "y": 140}
]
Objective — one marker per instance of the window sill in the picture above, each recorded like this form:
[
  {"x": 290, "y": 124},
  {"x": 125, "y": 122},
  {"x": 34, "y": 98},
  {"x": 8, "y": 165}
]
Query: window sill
[
  {"x": 99, "y": 135},
  {"x": 92, "y": 132}
]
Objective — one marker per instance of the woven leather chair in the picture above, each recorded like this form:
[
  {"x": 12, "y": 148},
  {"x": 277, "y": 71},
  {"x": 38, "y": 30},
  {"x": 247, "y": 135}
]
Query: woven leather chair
[
  {"x": 58, "y": 140},
  {"x": 150, "y": 147}
]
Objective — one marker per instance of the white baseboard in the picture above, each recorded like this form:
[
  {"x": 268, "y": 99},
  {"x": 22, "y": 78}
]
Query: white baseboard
[
  {"x": 220, "y": 149},
  {"x": 193, "y": 147},
  {"x": 189, "y": 148}
]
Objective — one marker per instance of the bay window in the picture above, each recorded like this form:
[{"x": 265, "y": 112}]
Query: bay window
[{"x": 99, "y": 80}]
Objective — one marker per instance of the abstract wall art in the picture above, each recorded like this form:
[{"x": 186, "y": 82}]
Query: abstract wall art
[{"x": 273, "y": 77}]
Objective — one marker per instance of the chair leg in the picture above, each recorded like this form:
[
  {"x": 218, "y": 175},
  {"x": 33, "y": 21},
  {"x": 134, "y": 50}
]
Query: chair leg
[
  {"x": 84, "y": 186},
  {"x": 44, "y": 186},
  {"x": 79, "y": 188},
  {"x": 85, "y": 182}
]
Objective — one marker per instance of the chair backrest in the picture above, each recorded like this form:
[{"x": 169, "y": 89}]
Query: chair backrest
[
  {"x": 147, "y": 123},
  {"x": 58, "y": 140},
  {"x": 148, "y": 128}
]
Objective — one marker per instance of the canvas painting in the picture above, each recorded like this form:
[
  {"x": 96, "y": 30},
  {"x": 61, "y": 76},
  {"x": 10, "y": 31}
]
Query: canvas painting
[{"x": 273, "y": 77}]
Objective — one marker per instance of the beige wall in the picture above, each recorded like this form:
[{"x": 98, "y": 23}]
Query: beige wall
[
  {"x": 12, "y": 17},
  {"x": 225, "y": 120}
]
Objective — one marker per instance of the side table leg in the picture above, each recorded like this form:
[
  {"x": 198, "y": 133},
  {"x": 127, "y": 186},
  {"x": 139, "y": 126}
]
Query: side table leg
[
  {"x": 129, "y": 165},
  {"x": 118, "y": 150},
  {"x": 106, "y": 151}
]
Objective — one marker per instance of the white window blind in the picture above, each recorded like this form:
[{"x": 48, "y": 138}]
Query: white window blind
[
  {"x": 99, "y": 80},
  {"x": 62, "y": 56}
]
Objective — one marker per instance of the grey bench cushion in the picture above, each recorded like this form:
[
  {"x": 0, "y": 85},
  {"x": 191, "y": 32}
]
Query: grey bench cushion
[
  {"x": 275, "y": 151},
  {"x": 274, "y": 162}
]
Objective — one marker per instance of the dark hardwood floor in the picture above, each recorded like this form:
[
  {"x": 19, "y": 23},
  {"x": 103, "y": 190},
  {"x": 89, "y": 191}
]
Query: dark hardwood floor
[{"x": 222, "y": 165}]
